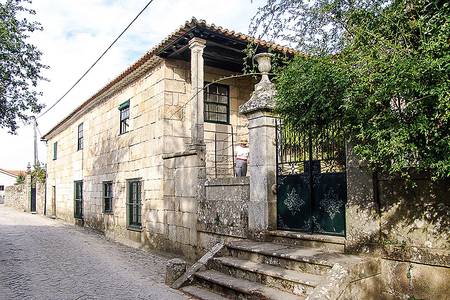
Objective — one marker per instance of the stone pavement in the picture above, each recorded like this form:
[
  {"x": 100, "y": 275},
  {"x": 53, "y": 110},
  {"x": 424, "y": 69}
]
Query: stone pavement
[{"x": 42, "y": 258}]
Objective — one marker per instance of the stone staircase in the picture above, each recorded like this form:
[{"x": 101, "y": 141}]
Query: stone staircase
[{"x": 285, "y": 267}]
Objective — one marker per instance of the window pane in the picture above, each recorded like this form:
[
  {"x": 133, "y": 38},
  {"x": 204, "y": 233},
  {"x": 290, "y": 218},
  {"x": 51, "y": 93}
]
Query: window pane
[
  {"x": 216, "y": 103},
  {"x": 223, "y": 90},
  {"x": 223, "y": 99},
  {"x": 222, "y": 109},
  {"x": 213, "y": 89},
  {"x": 212, "y": 98},
  {"x": 222, "y": 118}
]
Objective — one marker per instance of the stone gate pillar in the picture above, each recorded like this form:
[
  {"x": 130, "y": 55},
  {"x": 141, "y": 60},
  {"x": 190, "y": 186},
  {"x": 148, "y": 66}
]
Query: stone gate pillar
[{"x": 262, "y": 158}]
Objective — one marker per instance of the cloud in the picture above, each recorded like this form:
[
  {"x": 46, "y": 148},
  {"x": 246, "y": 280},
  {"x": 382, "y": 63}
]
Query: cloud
[{"x": 77, "y": 31}]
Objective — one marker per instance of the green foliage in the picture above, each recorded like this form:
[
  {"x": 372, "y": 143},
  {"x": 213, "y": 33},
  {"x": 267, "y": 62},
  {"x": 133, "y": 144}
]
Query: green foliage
[
  {"x": 20, "y": 179},
  {"x": 389, "y": 86},
  {"x": 20, "y": 65},
  {"x": 38, "y": 174}
]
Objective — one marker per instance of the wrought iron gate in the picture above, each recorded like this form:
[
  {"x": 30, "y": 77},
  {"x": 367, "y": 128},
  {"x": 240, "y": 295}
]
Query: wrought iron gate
[{"x": 311, "y": 180}]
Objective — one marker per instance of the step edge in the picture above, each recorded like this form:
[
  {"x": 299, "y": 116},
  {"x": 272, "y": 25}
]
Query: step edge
[
  {"x": 188, "y": 290},
  {"x": 329, "y": 239},
  {"x": 258, "y": 288},
  {"x": 304, "y": 259},
  {"x": 313, "y": 283}
]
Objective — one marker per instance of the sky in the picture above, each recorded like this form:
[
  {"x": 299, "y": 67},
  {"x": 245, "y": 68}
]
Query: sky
[{"x": 76, "y": 32}]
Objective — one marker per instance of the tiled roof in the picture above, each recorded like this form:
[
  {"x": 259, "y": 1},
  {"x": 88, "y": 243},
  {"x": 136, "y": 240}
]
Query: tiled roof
[
  {"x": 13, "y": 173},
  {"x": 149, "y": 60}
]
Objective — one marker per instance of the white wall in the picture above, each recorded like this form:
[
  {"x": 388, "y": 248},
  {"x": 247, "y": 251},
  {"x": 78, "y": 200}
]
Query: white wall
[{"x": 5, "y": 180}]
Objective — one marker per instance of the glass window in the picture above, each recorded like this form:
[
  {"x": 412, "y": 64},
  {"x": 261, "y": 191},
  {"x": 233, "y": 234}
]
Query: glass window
[
  {"x": 78, "y": 209},
  {"x": 134, "y": 204},
  {"x": 2, "y": 187},
  {"x": 80, "y": 136},
  {"x": 217, "y": 103},
  {"x": 107, "y": 197},
  {"x": 124, "y": 109}
]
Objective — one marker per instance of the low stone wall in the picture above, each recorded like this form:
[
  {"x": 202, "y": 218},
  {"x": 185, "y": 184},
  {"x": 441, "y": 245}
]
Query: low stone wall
[
  {"x": 19, "y": 197},
  {"x": 415, "y": 237},
  {"x": 223, "y": 214},
  {"x": 16, "y": 196}
]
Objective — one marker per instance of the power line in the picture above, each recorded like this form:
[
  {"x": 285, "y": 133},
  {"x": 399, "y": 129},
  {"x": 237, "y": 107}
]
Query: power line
[{"x": 98, "y": 59}]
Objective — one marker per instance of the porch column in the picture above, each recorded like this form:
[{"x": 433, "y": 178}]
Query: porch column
[
  {"x": 197, "y": 79},
  {"x": 262, "y": 157}
]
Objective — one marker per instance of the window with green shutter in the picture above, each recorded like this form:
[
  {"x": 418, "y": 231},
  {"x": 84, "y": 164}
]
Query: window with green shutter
[
  {"x": 78, "y": 199},
  {"x": 134, "y": 204},
  {"x": 55, "y": 150},
  {"x": 80, "y": 137},
  {"x": 124, "y": 109},
  {"x": 107, "y": 197}
]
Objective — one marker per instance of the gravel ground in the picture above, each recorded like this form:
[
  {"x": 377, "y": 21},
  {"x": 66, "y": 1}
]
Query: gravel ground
[{"x": 42, "y": 258}]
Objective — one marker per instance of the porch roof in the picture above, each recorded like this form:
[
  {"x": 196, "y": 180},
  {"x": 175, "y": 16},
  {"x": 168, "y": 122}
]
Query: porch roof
[{"x": 224, "y": 49}]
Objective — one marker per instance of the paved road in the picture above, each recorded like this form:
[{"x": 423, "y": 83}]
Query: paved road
[{"x": 42, "y": 258}]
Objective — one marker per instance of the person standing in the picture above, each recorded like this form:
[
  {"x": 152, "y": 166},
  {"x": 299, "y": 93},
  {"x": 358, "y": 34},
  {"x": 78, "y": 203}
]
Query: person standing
[{"x": 241, "y": 153}]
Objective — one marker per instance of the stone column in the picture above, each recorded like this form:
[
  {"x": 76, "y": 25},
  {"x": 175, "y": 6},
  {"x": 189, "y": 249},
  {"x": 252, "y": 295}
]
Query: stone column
[
  {"x": 262, "y": 158},
  {"x": 197, "y": 79}
]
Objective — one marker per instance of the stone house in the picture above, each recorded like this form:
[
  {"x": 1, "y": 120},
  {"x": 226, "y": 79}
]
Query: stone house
[
  {"x": 139, "y": 136},
  {"x": 148, "y": 161}
]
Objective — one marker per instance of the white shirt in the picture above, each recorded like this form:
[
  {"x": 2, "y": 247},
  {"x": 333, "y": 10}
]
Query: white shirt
[{"x": 242, "y": 152}]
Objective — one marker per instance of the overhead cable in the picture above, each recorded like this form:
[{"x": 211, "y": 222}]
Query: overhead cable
[{"x": 98, "y": 59}]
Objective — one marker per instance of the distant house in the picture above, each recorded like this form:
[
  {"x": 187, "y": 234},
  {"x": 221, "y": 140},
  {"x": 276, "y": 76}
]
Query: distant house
[{"x": 7, "y": 177}]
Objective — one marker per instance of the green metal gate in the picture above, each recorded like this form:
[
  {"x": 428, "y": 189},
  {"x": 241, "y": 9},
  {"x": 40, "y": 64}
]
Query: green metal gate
[{"x": 311, "y": 180}]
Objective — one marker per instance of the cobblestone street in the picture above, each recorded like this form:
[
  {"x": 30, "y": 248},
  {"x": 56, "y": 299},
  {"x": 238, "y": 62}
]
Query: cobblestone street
[{"x": 42, "y": 258}]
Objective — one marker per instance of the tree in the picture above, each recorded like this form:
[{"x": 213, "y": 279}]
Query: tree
[
  {"x": 20, "y": 65},
  {"x": 379, "y": 68},
  {"x": 39, "y": 174},
  {"x": 20, "y": 179}
]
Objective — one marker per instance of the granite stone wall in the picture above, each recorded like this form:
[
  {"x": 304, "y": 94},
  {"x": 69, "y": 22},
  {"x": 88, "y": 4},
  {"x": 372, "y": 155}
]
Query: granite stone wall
[
  {"x": 224, "y": 211},
  {"x": 177, "y": 121},
  {"x": 159, "y": 128},
  {"x": 406, "y": 224},
  {"x": 16, "y": 196},
  {"x": 414, "y": 238},
  {"x": 19, "y": 196}
]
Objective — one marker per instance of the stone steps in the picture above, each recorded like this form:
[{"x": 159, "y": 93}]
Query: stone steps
[
  {"x": 264, "y": 270},
  {"x": 308, "y": 260},
  {"x": 318, "y": 241},
  {"x": 202, "y": 293},
  {"x": 294, "y": 282},
  {"x": 237, "y": 288}
]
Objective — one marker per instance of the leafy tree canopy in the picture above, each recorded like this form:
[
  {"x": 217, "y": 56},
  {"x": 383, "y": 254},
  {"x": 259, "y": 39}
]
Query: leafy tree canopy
[
  {"x": 20, "y": 65},
  {"x": 379, "y": 68}
]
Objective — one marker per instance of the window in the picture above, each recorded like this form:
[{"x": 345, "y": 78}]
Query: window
[
  {"x": 80, "y": 137},
  {"x": 107, "y": 197},
  {"x": 2, "y": 187},
  {"x": 55, "y": 150},
  {"x": 124, "y": 109},
  {"x": 78, "y": 211},
  {"x": 134, "y": 204},
  {"x": 217, "y": 103}
]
